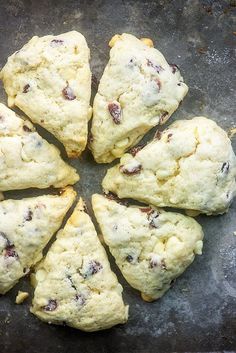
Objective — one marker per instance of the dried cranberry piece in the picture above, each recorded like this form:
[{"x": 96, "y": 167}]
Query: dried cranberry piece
[
  {"x": 129, "y": 258},
  {"x": 168, "y": 137},
  {"x": 131, "y": 171},
  {"x": 145, "y": 209},
  {"x": 158, "y": 135},
  {"x": 135, "y": 150},
  {"x": 51, "y": 306},
  {"x": 113, "y": 197},
  {"x": 26, "y": 88},
  {"x": 152, "y": 216},
  {"x": 10, "y": 251},
  {"x": 56, "y": 42},
  {"x": 26, "y": 128},
  {"x": 29, "y": 216},
  {"x": 158, "y": 82},
  {"x": 68, "y": 93},
  {"x": 1, "y": 118},
  {"x": 163, "y": 116},
  {"x": 174, "y": 68},
  {"x": 80, "y": 298},
  {"x": 93, "y": 268},
  {"x": 225, "y": 167},
  {"x": 115, "y": 112},
  {"x": 156, "y": 67}
]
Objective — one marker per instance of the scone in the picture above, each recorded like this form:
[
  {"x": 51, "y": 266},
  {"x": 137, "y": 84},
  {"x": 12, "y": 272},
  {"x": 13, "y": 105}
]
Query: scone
[
  {"x": 74, "y": 283},
  {"x": 26, "y": 159},
  {"x": 151, "y": 247},
  {"x": 190, "y": 165},
  {"x": 137, "y": 91},
  {"x": 26, "y": 226},
  {"x": 49, "y": 79}
]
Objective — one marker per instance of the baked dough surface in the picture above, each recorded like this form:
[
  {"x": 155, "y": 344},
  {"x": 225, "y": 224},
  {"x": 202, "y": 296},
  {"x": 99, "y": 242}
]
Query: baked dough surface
[
  {"x": 191, "y": 165},
  {"x": 74, "y": 283}
]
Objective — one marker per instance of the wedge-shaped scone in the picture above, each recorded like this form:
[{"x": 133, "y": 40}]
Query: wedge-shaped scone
[
  {"x": 137, "y": 91},
  {"x": 26, "y": 226},
  {"x": 26, "y": 159},
  {"x": 50, "y": 80},
  {"x": 74, "y": 283},
  {"x": 191, "y": 165},
  {"x": 151, "y": 247}
]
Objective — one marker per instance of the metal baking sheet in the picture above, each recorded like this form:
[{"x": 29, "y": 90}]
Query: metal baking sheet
[{"x": 199, "y": 313}]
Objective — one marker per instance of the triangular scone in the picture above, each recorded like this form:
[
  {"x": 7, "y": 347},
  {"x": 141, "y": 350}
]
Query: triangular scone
[
  {"x": 26, "y": 226},
  {"x": 74, "y": 283},
  {"x": 190, "y": 165},
  {"x": 138, "y": 90},
  {"x": 151, "y": 247},
  {"x": 49, "y": 79},
  {"x": 26, "y": 159}
]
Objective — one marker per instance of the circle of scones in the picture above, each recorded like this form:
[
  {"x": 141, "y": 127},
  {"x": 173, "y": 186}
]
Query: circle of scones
[
  {"x": 150, "y": 246},
  {"x": 190, "y": 165}
]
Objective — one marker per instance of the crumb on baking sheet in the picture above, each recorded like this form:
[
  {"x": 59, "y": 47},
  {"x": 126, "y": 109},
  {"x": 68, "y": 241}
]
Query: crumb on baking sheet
[
  {"x": 232, "y": 131},
  {"x": 21, "y": 296}
]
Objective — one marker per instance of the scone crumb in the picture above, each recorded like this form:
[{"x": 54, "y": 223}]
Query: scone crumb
[
  {"x": 148, "y": 42},
  {"x": 232, "y": 132},
  {"x": 114, "y": 39},
  {"x": 198, "y": 247},
  {"x": 235, "y": 233},
  {"x": 21, "y": 296}
]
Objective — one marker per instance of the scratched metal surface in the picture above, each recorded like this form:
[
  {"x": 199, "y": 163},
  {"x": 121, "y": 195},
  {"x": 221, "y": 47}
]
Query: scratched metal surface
[{"x": 199, "y": 313}]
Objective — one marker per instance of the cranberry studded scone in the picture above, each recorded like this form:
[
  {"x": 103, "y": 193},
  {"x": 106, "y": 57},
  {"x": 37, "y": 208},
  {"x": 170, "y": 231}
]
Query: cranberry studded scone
[
  {"x": 26, "y": 159},
  {"x": 49, "y": 79},
  {"x": 26, "y": 226},
  {"x": 190, "y": 165},
  {"x": 150, "y": 246},
  {"x": 74, "y": 283},
  {"x": 137, "y": 91}
]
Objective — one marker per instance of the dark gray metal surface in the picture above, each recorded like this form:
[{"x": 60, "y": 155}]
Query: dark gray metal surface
[{"x": 199, "y": 313}]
